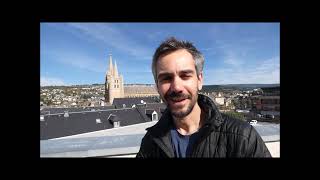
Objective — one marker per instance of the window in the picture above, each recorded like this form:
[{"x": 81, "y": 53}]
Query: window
[
  {"x": 66, "y": 114},
  {"x": 154, "y": 116},
  {"x": 116, "y": 124},
  {"x": 98, "y": 121}
]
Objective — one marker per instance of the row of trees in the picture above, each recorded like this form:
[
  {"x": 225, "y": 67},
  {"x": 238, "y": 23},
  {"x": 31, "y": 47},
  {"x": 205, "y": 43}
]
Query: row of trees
[
  {"x": 235, "y": 115},
  {"x": 242, "y": 103}
]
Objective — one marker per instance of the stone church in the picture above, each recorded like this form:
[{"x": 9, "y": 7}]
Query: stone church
[
  {"x": 114, "y": 83},
  {"x": 115, "y": 88}
]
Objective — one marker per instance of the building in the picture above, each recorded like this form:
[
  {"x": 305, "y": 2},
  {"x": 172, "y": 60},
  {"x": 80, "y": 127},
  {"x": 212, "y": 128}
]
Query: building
[
  {"x": 119, "y": 103},
  {"x": 219, "y": 100},
  {"x": 140, "y": 90},
  {"x": 62, "y": 122},
  {"x": 68, "y": 123},
  {"x": 268, "y": 105},
  {"x": 115, "y": 88},
  {"x": 114, "y": 83}
]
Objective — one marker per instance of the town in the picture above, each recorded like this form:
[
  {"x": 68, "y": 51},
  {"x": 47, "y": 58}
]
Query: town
[
  {"x": 70, "y": 112},
  {"x": 255, "y": 103}
]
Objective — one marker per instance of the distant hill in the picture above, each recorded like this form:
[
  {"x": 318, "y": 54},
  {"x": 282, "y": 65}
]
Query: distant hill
[
  {"x": 209, "y": 88},
  {"x": 204, "y": 88}
]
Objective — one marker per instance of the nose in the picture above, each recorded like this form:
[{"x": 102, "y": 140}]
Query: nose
[{"x": 176, "y": 85}]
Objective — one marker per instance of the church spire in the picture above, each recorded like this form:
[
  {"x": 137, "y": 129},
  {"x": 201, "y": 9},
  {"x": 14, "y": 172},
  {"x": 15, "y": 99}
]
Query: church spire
[
  {"x": 115, "y": 69},
  {"x": 110, "y": 71}
]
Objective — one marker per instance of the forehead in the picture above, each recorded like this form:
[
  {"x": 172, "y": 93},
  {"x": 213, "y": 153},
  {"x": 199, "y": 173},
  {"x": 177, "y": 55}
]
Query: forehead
[{"x": 180, "y": 59}]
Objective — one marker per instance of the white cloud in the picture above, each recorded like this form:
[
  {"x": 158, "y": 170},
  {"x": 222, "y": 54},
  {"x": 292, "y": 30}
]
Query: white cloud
[
  {"x": 231, "y": 58},
  {"x": 266, "y": 72},
  {"x": 78, "y": 60},
  {"x": 84, "y": 62},
  {"x": 49, "y": 81},
  {"x": 155, "y": 35},
  {"x": 112, "y": 36},
  {"x": 233, "y": 61}
]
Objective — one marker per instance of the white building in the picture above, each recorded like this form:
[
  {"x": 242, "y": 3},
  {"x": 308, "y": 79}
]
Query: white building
[{"x": 220, "y": 100}]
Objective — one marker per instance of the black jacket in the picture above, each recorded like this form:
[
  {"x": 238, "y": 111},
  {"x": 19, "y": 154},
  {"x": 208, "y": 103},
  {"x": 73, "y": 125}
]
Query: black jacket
[{"x": 220, "y": 136}]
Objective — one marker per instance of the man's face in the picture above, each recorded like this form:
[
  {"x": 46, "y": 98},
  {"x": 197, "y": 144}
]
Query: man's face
[{"x": 178, "y": 83}]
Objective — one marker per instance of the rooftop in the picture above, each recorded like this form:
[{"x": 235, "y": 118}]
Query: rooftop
[
  {"x": 125, "y": 142},
  {"x": 72, "y": 123}
]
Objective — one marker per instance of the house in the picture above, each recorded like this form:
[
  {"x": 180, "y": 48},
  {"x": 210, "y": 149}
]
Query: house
[{"x": 219, "y": 100}]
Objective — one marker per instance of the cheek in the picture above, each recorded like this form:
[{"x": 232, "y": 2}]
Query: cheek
[
  {"x": 162, "y": 89},
  {"x": 193, "y": 86}
]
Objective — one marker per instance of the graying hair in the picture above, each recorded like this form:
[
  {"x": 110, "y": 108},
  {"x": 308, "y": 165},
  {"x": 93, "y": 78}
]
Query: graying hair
[{"x": 172, "y": 44}]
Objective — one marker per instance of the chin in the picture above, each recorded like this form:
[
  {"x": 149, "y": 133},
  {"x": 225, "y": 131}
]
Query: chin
[{"x": 181, "y": 113}]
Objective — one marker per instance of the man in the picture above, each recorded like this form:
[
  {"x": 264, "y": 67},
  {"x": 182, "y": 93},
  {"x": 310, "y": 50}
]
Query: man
[{"x": 192, "y": 126}]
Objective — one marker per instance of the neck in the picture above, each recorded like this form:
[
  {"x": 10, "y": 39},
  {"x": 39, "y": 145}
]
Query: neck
[{"x": 191, "y": 123}]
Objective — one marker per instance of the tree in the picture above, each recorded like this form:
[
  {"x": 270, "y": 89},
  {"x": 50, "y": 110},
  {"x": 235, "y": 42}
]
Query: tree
[
  {"x": 235, "y": 115},
  {"x": 236, "y": 103}
]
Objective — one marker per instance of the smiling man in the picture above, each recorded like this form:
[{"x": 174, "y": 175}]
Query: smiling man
[{"x": 192, "y": 126}]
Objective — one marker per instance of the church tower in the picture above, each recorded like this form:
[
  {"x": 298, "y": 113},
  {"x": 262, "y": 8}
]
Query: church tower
[{"x": 114, "y": 83}]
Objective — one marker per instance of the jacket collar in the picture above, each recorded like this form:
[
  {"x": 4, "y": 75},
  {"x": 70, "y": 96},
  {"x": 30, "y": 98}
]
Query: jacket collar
[
  {"x": 213, "y": 117},
  {"x": 161, "y": 131}
]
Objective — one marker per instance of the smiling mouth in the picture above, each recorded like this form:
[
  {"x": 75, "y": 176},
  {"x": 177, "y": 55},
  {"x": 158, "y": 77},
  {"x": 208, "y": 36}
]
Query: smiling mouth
[{"x": 177, "y": 100}]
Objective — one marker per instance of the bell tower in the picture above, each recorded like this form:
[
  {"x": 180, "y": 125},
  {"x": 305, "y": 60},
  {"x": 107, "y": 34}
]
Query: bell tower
[{"x": 113, "y": 83}]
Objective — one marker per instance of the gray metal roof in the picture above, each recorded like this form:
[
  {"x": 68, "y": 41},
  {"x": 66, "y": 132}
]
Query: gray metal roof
[
  {"x": 268, "y": 131},
  {"x": 48, "y": 110},
  {"x": 84, "y": 145},
  {"x": 123, "y": 140},
  {"x": 53, "y": 126}
]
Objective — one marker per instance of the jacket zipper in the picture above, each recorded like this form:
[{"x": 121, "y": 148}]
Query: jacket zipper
[
  {"x": 163, "y": 147},
  {"x": 195, "y": 146}
]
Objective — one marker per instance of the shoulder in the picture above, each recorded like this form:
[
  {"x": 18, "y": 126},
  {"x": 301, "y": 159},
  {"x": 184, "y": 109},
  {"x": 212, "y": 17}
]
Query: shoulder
[{"x": 235, "y": 126}]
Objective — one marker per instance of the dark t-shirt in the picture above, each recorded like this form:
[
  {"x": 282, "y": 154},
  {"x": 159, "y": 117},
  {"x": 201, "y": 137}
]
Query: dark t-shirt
[{"x": 182, "y": 144}]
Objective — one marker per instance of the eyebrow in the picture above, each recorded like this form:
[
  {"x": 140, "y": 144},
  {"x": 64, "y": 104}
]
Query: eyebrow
[
  {"x": 164, "y": 74},
  {"x": 187, "y": 71}
]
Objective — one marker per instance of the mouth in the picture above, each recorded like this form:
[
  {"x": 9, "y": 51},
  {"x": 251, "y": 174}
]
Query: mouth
[{"x": 177, "y": 102}]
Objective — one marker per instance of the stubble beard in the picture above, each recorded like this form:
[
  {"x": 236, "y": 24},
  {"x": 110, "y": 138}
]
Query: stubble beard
[{"x": 179, "y": 114}]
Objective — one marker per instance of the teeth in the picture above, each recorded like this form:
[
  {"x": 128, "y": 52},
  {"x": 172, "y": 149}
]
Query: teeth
[{"x": 177, "y": 100}]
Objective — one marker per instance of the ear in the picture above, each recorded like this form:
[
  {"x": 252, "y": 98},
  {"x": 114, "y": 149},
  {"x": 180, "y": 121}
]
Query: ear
[{"x": 200, "y": 81}]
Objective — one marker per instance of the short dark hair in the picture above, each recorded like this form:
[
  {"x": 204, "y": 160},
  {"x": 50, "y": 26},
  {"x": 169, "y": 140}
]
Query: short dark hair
[{"x": 171, "y": 44}]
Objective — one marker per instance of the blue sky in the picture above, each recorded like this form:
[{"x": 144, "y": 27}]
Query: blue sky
[{"x": 235, "y": 53}]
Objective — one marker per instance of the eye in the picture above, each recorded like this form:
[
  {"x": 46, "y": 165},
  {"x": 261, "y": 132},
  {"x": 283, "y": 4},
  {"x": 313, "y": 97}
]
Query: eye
[
  {"x": 165, "y": 78},
  {"x": 186, "y": 76}
]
